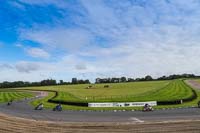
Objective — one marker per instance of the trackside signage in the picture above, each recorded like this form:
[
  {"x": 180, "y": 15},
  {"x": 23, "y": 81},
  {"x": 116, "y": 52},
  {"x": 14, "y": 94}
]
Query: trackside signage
[{"x": 120, "y": 104}]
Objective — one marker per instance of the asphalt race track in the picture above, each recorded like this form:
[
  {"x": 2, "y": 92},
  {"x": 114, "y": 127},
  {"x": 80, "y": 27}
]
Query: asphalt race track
[{"x": 24, "y": 110}]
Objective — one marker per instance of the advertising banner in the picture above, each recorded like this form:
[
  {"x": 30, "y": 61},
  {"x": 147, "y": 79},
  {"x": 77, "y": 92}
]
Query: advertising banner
[{"x": 122, "y": 104}]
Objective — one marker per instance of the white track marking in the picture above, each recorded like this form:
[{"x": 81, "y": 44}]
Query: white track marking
[{"x": 134, "y": 119}]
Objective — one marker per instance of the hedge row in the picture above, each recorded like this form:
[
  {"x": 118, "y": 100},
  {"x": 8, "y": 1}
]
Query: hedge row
[
  {"x": 68, "y": 103},
  {"x": 194, "y": 96}
]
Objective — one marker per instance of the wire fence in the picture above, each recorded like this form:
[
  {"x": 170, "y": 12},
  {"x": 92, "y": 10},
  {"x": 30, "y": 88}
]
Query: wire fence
[{"x": 110, "y": 98}]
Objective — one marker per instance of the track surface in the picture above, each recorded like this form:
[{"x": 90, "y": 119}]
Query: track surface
[
  {"x": 18, "y": 125},
  {"x": 174, "y": 121},
  {"x": 24, "y": 110},
  {"x": 194, "y": 84}
]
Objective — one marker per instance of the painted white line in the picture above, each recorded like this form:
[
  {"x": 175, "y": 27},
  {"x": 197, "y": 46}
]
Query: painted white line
[
  {"x": 134, "y": 119},
  {"x": 176, "y": 121}
]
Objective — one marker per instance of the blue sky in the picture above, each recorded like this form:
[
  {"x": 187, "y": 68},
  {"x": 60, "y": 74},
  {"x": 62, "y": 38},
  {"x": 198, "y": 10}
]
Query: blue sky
[{"x": 62, "y": 39}]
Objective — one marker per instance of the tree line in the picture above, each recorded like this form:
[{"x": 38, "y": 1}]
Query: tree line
[
  {"x": 46, "y": 82},
  {"x": 146, "y": 78},
  {"x": 49, "y": 82}
]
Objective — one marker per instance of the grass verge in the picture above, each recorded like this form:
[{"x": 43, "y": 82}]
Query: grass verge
[{"x": 7, "y": 95}]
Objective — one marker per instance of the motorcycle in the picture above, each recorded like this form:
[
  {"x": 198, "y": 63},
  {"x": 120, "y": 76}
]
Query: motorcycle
[
  {"x": 10, "y": 102},
  {"x": 147, "y": 108},
  {"x": 58, "y": 108},
  {"x": 39, "y": 107}
]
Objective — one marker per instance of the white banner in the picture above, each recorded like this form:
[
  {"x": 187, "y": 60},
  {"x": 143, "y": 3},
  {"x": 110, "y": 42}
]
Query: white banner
[{"x": 126, "y": 104}]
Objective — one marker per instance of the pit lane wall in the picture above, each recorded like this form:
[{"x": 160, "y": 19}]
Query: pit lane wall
[{"x": 120, "y": 104}]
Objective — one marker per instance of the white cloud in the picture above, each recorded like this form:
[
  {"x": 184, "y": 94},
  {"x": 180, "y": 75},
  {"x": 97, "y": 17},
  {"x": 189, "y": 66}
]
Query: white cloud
[
  {"x": 81, "y": 67},
  {"x": 61, "y": 38},
  {"x": 27, "y": 67},
  {"x": 155, "y": 38},
  {"x": 5, "y": 66},
  {"x": 34, "y": 51},
  {"x": 38, "y": 53}
]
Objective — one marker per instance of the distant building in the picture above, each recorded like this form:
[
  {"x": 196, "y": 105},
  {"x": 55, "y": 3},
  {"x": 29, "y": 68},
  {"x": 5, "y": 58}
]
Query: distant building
[
  {"x": 98, "y": 80},
  {"x": 74, "y": 80}
]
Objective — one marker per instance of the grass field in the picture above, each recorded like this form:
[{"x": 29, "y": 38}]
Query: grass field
[
  {"x": 123, "y": 92},
  {"x": 115, "y": 92},
  {"x": 198, "y": 80},
  {"x": 7, "y": 95},
  {"x": 136, "y": 91}
]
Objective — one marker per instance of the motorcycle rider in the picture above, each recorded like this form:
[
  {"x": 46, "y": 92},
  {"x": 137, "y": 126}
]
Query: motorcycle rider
[
  {"x": 39, "y": 107},
  {"x": 58, "y": 107},
  {"x": 10, "y": 102},
  {"x": 147, "y": 107}
]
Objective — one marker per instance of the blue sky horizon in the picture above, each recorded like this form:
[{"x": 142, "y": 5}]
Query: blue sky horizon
[{"x": 62, "y": 39}]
